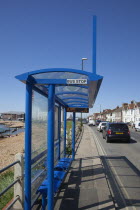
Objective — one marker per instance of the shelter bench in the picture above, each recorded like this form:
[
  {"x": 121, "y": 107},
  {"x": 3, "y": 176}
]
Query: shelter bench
[{"x": 60, "y": 171}]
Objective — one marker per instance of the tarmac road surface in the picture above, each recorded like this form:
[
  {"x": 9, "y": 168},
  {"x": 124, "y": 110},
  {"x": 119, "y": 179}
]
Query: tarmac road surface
[{"x": 122, "y": 164}]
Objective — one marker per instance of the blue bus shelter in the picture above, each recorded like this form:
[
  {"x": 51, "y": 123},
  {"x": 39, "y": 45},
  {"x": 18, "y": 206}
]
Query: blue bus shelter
[{"x": 50, "y": 94}]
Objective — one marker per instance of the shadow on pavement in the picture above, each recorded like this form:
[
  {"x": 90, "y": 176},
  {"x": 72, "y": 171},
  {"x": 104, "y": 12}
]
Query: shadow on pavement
[
  {"x": 124, "y": 179},
  {"x": 132, "y": 141},
  {"x": 79, "y": 190}
]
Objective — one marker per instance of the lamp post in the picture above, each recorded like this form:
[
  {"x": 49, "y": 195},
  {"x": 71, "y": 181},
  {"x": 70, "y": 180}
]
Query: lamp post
[{"x": 83, "y": 59}]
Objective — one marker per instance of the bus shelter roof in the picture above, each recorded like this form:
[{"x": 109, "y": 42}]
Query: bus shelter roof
[{"x": 73, "y": 88}]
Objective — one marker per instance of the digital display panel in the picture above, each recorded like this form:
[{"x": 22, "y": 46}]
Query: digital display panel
[{"x": 82, "y": 110}]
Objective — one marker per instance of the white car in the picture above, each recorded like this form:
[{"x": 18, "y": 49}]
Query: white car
[
  {"x": 91, "y": 122},
  {"x": 137, "y": 126},
  {"x": 101, "y": 126}
]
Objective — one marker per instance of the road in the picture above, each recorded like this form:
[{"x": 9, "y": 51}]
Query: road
[{"x": 122, "y": 166}]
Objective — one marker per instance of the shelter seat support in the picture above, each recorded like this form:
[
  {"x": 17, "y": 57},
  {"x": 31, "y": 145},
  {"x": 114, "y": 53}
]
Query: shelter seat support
[{"x": 60, "y": 171}]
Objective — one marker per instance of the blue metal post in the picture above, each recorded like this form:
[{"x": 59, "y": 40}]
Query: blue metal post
[
  {"x": 59, "y": 131},
  {"x": 65, "y": 130},
  {"x": 73, "y": 137},
  {"x": 50, "y": 156},
  {"x": 94, "y": 45},
  {"x": 28, "y": 129},
  {"x": 44, "y": 201}
]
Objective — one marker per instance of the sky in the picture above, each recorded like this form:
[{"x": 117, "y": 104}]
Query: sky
[{"x": 39, "y": 34}]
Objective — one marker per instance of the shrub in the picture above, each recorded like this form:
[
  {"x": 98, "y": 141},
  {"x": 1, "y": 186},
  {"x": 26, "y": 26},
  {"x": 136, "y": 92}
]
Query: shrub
[{"x": 5, "y": 180}]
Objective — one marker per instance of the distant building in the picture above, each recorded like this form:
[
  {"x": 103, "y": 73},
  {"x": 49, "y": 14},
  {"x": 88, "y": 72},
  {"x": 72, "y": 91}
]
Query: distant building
[
  {"x": 13, "y": 115},
  {"x": 137, "y": 112},
  {"x": 126, "y": 113},
  {"x": 109, "y": 115},
  {"x": 91, "y": 117},
  {"x": 70, "y": 117},
  {"x": 103, "y": 115},
  {"x": 118, "y": 114},
  {"x": 96, "y": 116}
]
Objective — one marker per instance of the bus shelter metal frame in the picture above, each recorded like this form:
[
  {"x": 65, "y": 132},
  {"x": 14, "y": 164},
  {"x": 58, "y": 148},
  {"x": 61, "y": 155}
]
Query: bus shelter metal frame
[
  {"x": 65, "y": 99},
  {"x": 30, "y": 85}
]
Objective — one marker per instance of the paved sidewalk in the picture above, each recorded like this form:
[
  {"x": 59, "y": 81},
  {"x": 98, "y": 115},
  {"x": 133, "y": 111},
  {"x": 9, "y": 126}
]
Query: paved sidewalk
[{"x": 85, "y": 186}]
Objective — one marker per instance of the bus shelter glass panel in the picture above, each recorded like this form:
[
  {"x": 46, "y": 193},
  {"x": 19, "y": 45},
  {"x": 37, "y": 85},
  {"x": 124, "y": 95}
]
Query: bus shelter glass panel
[
  {"x": 56, "y": 124},
  {"x": 60, "y": 75},
  {"x": 39, "y": 141},
  {"x": 56, "y": 142},
  {"x": 62, "y": 89},
  {"x": 62, "y": 134},
  {"x": 63, "y": 96},
  {"x": 69, "y": 133}
]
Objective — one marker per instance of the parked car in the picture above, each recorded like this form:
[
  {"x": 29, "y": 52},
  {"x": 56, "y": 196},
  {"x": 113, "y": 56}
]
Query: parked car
[
  {"x": 137, "y": 126},
  {"x": 97, "y": 122},
  {"x": 116, "y": 131},
  {"x": 84, "y": 121},
  {"x": 101, "y": 126},
  {"x": 128, "y": 123},
  {"x": 91, "y": 122}
]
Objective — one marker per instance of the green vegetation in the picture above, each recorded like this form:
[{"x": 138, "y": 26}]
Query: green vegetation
[
  {"x": 69, "y": 127},
  {"x": 68, "y": 148},
  {"x": 5, "y": 180}
]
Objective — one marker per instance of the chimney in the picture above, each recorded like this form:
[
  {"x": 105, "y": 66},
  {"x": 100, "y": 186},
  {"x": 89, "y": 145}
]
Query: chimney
[{"x": 125, "y": 104}]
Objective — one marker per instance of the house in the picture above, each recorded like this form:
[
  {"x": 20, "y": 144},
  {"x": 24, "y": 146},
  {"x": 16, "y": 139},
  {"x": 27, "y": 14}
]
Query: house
[
  {"x": 109, "y": 115},
  {"x": 113, "y": 119},
  {"x": 118, "y": 114},
  {"x": 114, "y": 115},
  {"x": 128, "y": 112},
  {"x": 125, "y": 113},
  {"x": 90, "y": 117},
  {"x": 105, "y": 115},
  {"x": 137, "y": 112},
  {"x": 70, "y": 118},
  {"x": 13, "y": 115},
  {"x": 96, "y": 116}
]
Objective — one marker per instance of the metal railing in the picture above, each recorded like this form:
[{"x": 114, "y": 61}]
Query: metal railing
[
  {"x": 13, "y": 202},
  {"x": 9, "y": 166},
  {"x": 18, "y": 179}
]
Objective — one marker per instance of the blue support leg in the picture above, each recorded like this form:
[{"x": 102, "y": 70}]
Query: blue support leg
[
  {"x": 28, "y": 128},
  {"x": 51, "y": 106},
  {"x": 44, "y": 202},
  {"x": 73, "y": 137},
  {"x": 65, "y": 130},
  {"x": 59, "y": 131}
]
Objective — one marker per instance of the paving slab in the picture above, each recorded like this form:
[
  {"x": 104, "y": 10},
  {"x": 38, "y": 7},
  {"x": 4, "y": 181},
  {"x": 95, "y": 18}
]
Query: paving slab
[{"x": 85, "y": 186}]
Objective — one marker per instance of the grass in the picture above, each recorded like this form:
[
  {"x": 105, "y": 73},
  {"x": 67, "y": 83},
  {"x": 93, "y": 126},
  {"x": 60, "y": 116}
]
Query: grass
[
  {"x": 8, "y": 177},
  {"x": 69, "y": 127},
  {"x": 5, "y": 180}
]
